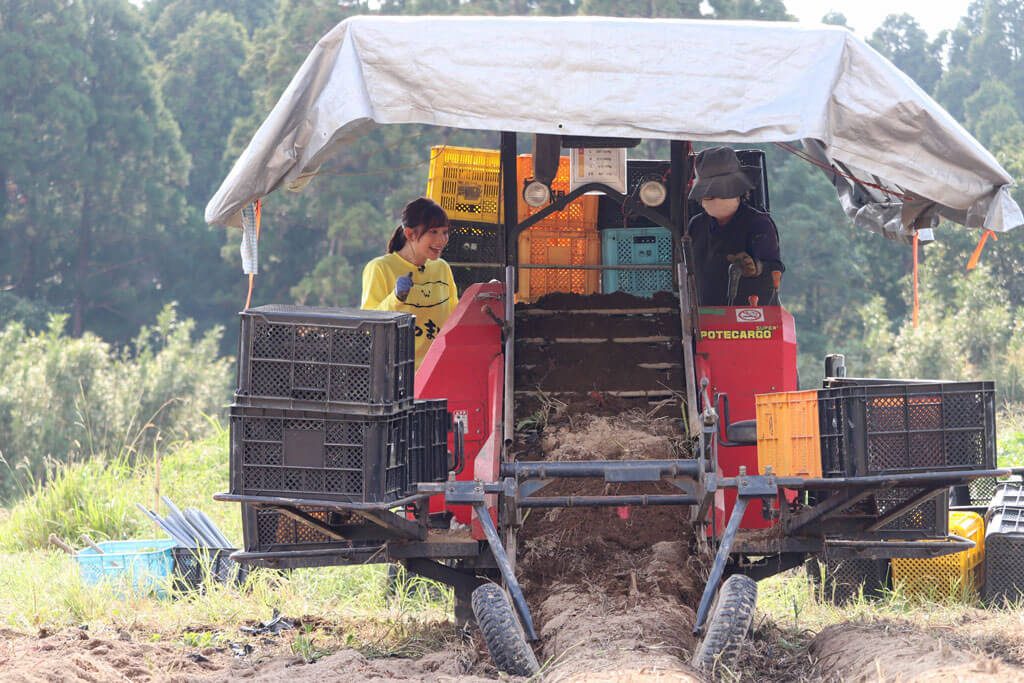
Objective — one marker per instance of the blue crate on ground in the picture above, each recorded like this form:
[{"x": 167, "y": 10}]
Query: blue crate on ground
[
  {"x": 636, "y": 246},
  {"x": 145, "y": 564}
]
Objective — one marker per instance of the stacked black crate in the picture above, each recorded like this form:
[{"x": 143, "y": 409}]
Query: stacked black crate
[
  {"x": 1004, "y": 544},
  {"x": 870, "y": 428},
  {"x": 474, "y": 253},
  {"x": 321, "y": 413}
]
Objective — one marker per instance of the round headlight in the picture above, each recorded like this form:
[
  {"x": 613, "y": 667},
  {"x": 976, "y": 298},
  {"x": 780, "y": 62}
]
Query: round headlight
[
  {"x": 536, "y": 194},
  {"x": 653, "y": 193}
]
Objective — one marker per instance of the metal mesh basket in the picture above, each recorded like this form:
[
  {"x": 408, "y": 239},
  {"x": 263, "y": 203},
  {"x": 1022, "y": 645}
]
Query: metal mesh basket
[
  {"x": 326, "y": 359},
  {"x": 329, "y": 456}
]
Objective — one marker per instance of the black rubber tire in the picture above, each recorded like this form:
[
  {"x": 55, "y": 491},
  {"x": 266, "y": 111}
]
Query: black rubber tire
[
  {"x": 502, "y": 632},
  {"x": 727, "y": 625}
]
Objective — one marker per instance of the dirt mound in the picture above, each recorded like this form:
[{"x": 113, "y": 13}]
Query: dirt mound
[
  {"x": 73, "y": 655},
  {"x": 76, "y": 655},
  {"x": 895, "y": 651},
  {"x": 613, "y": 588}
]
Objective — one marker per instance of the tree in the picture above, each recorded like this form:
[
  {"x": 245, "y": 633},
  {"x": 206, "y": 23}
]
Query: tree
[
  {"x": 836, "y": 19},
  {"x": 660, "y": 9},
  {"x": 758, "y": 10},
  {"x": 902, "y": 40},
  {"x": 169, "y": 18},
  {"x": 44, "y": 116}
]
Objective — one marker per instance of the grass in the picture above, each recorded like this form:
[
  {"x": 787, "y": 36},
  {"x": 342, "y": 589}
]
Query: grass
[{"x": 40, "y": 587}]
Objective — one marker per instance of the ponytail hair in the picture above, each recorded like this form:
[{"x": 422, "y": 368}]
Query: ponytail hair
[{"x": 419, "y": 215}]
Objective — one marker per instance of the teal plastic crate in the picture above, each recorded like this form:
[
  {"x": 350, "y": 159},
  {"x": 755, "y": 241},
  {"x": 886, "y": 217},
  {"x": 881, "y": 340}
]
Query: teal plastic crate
[
  {"x": 145, "y": 564},
  {"x": 636, "y": 246}
]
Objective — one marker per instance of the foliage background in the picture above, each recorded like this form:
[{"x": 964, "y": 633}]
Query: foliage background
[{"x": 118, "y": 120}]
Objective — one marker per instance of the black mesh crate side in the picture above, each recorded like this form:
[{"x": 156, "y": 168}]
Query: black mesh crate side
[
  {"x": 269, "y": 530},
  {"x": 930, "y": 516},
  {"x": 474, "y": 243},
  {"x": 610, "y": 213},
  {"x": 316, "y": 454},
  {"x": 326, "y": 359},
  {"x": 470, "y": 275},
  {"x": 873, "y": 429},
  {"x": 430, "y": 423},
  {"x": 1004, "y": 548}
]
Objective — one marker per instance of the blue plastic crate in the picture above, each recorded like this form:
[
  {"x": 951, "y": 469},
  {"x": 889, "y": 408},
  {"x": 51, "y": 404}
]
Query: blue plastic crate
[
  {"x": 146, "y": 564},
  {"x": 636, "y": 246}
]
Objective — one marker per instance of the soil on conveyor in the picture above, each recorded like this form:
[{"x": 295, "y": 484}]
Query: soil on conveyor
[{"x": 612, "y": 589}]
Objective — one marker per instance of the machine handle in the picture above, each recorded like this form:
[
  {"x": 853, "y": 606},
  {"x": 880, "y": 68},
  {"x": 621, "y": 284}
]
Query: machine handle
[{"x": 459, "y": 449}]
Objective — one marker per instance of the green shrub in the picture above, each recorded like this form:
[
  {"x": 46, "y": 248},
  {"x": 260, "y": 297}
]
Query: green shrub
[
  {"x": 98, "y": 497},
  {"x": 66, "y": 400}
]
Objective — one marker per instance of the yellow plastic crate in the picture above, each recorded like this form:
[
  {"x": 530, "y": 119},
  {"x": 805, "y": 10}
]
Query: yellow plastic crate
[
  {"x": 949, "y": 574},
  {"x": 579, "y": 216},
  {"x": 552, "y": 247},
  {"x": 788, "y": 439},
  {"x": 466, "y": 182}
]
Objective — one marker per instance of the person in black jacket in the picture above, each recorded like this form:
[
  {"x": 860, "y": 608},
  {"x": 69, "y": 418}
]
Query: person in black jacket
[{"x": 730, "y": 232}]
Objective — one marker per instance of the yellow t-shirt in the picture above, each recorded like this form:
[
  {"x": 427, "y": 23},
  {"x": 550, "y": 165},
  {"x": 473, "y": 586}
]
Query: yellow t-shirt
[{"x": 432, "y": 298}]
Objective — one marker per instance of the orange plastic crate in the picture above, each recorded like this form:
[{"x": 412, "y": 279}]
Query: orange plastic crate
[
  {"x": 466, "y": 182},
  {"x": 579, "y": 216},
  {"x": 948, "y": 575},
  {"x": 788, "y": 438},
  {"x": 555, "y": 247}
]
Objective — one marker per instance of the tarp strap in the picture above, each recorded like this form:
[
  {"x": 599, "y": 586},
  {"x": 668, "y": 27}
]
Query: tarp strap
[
  {"x": 972, "y": 262},
  {"x": 250, "y": 244},
  {"x": 917, "y": 302}
]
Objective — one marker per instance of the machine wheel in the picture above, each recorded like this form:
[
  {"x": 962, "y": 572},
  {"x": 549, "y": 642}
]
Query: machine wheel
[
  {"x": 727, "y": 624},
  {"x": 502, "y": 632}
]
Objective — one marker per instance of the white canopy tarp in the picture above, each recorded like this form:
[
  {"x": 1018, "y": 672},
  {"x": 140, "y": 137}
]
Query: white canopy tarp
[{"x": 751, "y": 82}]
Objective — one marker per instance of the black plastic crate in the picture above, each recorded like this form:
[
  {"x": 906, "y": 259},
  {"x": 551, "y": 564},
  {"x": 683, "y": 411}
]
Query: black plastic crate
[
  {"x": 1004, "y": 549},
  {"x": 845, "y": 578},
  {"x": 319, "y": 455},
  {"x": 911, "y": 427},
  {"x": 268, "y": 530},
  {"x": 430, "y": 423},
  {"x": 195, "y": 568},
  {"x": 1008, "y": 494},
  {"x": 336, "y": 359},
  {"x": 470, "y": 275},
  {"x": 474, "y": 243},
  {"x": 610, "y": 213},
  {"x": 930, "y": 517}
]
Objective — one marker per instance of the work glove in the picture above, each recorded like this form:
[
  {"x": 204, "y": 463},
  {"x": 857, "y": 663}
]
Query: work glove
[
  {"x": 750, "y": 265},
  {"x": 402, "y": 286}
]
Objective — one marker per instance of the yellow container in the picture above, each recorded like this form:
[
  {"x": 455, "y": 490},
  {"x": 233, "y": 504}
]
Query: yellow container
[
  {"x": 466, "y": 182},
  {"x": 946, "y": 575},
  {"x": 553, "y": 247},
  {"x": 788, "y": 439}
]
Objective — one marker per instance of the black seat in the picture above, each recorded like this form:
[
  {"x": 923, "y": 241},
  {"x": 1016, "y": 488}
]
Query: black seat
[{"x": 742, "y": 433}]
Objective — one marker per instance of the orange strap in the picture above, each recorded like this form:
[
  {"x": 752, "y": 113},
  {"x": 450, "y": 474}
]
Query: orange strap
[
  {"x": 972, "y": 262},
  {"x": 252, "y": 276},
  {"x": 917, "y": 301}
]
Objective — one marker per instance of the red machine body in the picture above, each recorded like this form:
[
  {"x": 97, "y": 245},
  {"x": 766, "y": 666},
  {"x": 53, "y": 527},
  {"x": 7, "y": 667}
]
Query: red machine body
[
  {"x": 744, "y": 351},
  {"x": 465, "y": 365}
]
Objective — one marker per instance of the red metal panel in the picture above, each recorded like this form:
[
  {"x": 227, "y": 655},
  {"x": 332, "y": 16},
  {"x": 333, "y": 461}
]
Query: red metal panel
[
  {"x": 458, "y": 366},
  {"x": 743, "y": 351}
]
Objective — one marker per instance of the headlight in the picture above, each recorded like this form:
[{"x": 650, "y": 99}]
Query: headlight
[
  {"x": 536, "y": 194},
  {"x": 653, "y": 193}
]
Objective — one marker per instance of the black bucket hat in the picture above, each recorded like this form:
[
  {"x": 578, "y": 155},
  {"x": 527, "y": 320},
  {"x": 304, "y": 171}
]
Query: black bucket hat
[{"x": 719, "y": 175}]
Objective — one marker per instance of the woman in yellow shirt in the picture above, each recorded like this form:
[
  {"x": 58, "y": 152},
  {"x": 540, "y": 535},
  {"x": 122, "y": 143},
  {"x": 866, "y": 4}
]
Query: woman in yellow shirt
[{"x": 412, "y": 277}]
